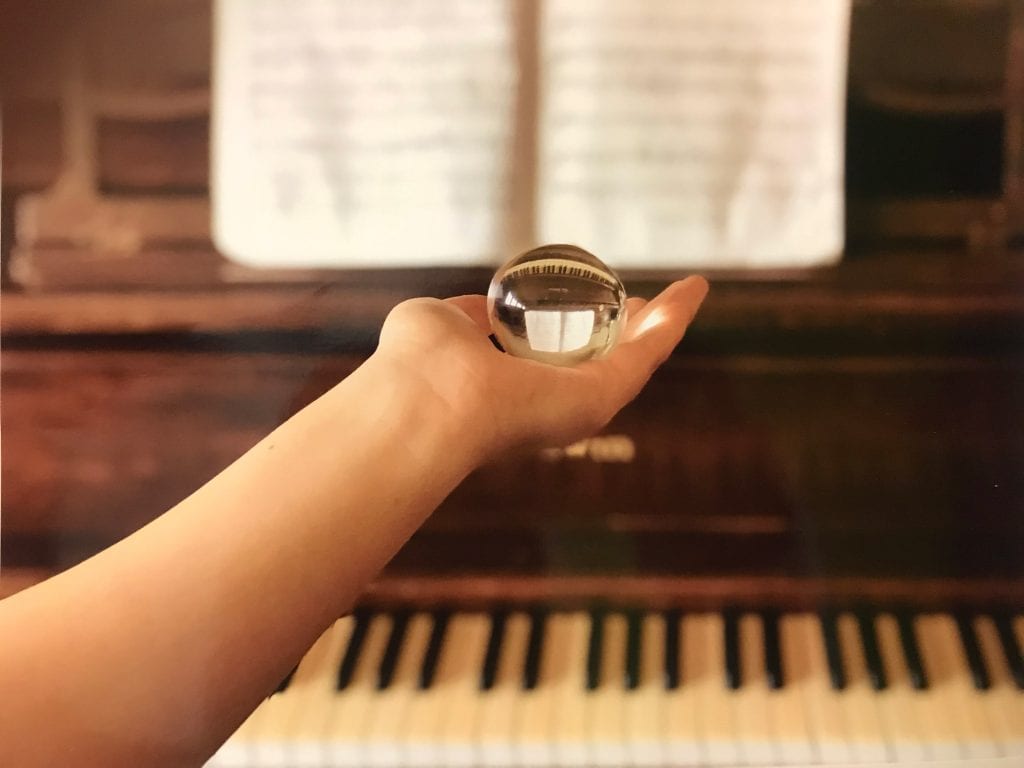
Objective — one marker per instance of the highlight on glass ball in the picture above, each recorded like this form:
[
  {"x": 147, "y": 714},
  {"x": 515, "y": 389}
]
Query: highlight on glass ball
[{"x": 556, "y": 304}]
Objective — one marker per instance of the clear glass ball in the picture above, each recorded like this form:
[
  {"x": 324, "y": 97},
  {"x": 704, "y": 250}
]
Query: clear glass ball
[{"x": 556, "y": 304}]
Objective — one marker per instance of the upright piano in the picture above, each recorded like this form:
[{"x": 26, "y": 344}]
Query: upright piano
[{"x": 802, "y": 544}]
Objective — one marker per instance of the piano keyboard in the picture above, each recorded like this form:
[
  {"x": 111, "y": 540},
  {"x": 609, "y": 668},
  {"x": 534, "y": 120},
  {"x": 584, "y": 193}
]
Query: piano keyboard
[{"x": 643, "y": 689}]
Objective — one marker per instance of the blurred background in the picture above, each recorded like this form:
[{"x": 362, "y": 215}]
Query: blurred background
[{"x": 835, "y": 431}]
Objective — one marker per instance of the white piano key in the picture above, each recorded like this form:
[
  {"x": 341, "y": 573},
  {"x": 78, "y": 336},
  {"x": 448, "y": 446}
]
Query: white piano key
[
  {"x": 1018, "y": 628},
  {"x": 249, "y": 745},
  {"x": 754, "y": 728},
  {"x": 570, "y": 713},
  {"x": 682, "y": 741},
  {"x": 898, "y": 704},
  {"x": 563, "y": 689},
  {"x": 860, "y": 702},
  {"x": 646, "y": 723},
  {"x": 457, "y": 686},
  {"x": 306, "y": 731},
  {"x": 496, "y": 734},
  {"x": 941, "y": 739},
  {"x": 421, "y": 741},
  {"x": 826, "y": 714},
  {"x": 606, "y": 706},
  {"x": 1003, "y": 702},
  {"x": 536, "y": 710},
  {"x": 704, "y": 657},
  {"x": 347, "y": 721},
  {"x": 789, "y": 704},
  {"x": 278, "y": 738},
  {"x": 982, "y": 762},
  {"x": 946, "y": 652},
  {"x": 388, "y": 727}
]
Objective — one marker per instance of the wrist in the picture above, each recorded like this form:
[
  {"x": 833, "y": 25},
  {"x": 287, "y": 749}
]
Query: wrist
[{"x": 439, "y": 418}]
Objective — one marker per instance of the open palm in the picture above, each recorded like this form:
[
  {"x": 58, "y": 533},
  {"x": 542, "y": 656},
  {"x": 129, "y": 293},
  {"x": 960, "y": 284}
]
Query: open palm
[{"x": 510, "y": 401}]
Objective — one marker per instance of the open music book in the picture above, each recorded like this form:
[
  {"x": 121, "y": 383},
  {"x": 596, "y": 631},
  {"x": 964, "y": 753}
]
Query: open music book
[{"x": 659, "y": 134}]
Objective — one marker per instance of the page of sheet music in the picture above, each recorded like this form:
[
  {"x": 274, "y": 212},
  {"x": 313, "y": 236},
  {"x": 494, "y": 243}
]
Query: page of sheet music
[
  {"x": 688, "y": 132},
  {"x": 362, "y": 134}
]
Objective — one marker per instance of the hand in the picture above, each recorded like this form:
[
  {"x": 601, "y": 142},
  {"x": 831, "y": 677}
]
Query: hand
[{"x": 506, "y": 401}]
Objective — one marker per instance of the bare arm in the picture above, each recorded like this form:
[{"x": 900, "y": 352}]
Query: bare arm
[{"x": 153, "y": 651}]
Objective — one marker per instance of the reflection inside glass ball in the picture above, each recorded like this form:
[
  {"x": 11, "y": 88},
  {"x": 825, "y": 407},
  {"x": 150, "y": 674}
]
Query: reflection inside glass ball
[{"x": 556, "y": 304}]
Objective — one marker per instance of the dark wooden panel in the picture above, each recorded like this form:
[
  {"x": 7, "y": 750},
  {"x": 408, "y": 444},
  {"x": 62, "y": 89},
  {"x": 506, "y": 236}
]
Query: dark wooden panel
[
  {"x": 166, "y": 157},
  {"x": 149, "y": 47},
  {"x": 808, "y": 465},
  {"x": 104, "y": 441},
  {"x": 32, "y": 143}
]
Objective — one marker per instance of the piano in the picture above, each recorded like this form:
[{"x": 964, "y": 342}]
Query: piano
[
  {"x": 599, "y": 687},
  {"x": 803, "y": 544}
]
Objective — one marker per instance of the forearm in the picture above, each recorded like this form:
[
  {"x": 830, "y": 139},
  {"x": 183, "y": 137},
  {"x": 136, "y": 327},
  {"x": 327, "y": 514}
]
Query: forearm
[
  {"x": 153, "y": 651},
  {"x": 161, "y": 645}
]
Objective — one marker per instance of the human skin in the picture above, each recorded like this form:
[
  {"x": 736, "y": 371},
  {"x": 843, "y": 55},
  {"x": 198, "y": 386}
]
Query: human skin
[{"x": 153, "y": 651}]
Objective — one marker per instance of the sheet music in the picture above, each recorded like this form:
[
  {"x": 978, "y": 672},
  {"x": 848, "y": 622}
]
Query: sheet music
[
  {"x": 669, "y": 133},
  {"x": 362, "y": 134},
  {"x": 680, "y": 132}
]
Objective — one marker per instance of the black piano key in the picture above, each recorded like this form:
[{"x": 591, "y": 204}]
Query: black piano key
[
  {"x": 388, "y": 662},
  {"x": 534, "y": 648},
  {"x": 1011, "y": 649},
  {"x": 634, "y": 641},
  {"x": 362, "y": 619},
  {"x": 872, "y": 654},
  {"x": 594, "y": 649},
  {"x": 911, "y": 651},
  {"x": 672, "y": 671},
  {"x": 283, "y": 685},
  {"x": 969, "y": 643},
  {"x": 733, "y": 673},
  {"x": 433, "y": 652},
  {"x": 830, "y": 634},
  {"x": 493, "y": 652},
  {"x": 772, "y": 651}
]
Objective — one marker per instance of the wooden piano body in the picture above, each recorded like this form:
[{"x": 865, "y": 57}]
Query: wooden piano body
[{"x": 844, "y": 441}]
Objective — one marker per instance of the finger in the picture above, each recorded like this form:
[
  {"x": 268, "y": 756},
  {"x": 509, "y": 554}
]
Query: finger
[
  {"x": 633, "y": 306},
  {"x": 475, "y": 307},
  {"x": 675, "y": 307},
  {"x": 650, "y": 339},
  {"x": 613, "y": 381}
]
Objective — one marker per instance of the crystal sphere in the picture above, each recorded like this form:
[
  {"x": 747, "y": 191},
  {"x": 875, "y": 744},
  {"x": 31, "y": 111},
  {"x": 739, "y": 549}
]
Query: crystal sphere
[{"x": 556, "y": 304}]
